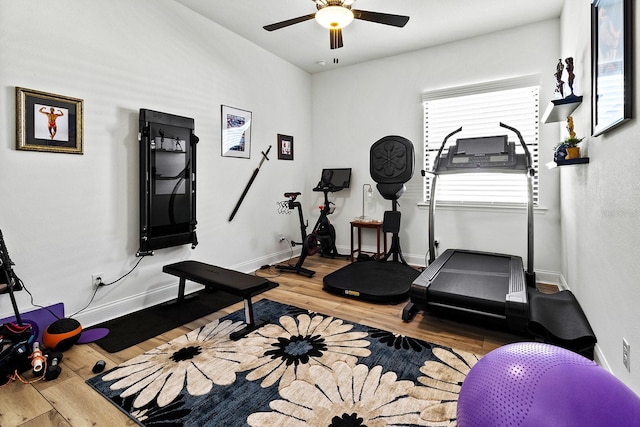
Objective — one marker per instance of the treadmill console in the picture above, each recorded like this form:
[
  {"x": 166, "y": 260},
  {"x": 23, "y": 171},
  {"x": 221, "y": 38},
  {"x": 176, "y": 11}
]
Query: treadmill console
[{"x": 481, "y": 152}]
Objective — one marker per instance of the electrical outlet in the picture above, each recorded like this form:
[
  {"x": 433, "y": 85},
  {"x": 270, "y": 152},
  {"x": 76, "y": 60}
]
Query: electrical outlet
[
  {"x": 626, "y": 354},
  {"x": 281, "y": 238},
  {"x": 96, "y": 279}
]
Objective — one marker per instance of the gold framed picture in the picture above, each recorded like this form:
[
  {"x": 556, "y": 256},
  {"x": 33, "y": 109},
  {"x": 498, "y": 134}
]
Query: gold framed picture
[{"x": 48, "y": 122}]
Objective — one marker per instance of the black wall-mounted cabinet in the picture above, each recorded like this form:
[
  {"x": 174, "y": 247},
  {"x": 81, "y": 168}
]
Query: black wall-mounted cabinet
[{"x": 167, "y": 181}]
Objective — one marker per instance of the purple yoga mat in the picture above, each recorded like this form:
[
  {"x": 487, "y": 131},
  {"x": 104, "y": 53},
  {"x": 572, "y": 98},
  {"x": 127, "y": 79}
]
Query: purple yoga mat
[
  {"x": 91, "y": 335},
  {"x": 41, "y": 318}
]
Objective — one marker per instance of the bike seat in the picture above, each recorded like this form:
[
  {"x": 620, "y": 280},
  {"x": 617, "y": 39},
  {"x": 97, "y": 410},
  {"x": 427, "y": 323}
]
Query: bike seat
[{"x": 292, "y": 195}]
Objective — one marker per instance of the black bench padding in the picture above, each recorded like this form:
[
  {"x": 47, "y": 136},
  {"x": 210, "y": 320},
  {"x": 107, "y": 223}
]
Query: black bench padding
[{"x": 217, "y": 277}]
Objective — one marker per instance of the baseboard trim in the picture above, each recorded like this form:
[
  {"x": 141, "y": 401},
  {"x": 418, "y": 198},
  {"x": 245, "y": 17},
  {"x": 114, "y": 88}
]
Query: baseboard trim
[
  {"x": 122, "y": 307},
  {"x": 101, "y": 313},
  {"x": 255, "y": 264}
]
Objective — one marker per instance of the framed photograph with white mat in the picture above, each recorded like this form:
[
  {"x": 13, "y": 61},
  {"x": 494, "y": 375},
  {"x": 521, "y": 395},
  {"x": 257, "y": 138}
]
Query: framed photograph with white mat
[{"x": 236, "y": 132}]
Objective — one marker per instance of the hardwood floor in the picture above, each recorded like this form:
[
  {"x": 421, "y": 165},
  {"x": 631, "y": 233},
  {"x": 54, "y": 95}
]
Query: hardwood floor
[{"x": 68, "y": 401}]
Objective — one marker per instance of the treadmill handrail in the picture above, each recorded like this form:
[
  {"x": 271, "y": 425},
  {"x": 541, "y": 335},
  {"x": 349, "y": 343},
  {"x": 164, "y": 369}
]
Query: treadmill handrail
[
  {"x": 530, "y": 171},
  {"x": 436, "y": 162},
  {"x": 524, "y": 146}
]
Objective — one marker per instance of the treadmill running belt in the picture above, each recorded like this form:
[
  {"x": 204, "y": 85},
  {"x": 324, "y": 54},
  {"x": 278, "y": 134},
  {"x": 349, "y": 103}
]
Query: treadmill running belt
[
  {"x": 479, "y": 262},
  {"x": 470, "y": 290},
  {"x": 485, "y": 283},
  {"x": 472, "y": 280}
]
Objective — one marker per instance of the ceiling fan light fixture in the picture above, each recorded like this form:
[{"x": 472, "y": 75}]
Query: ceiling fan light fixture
[{"x": 334, "y": 17}]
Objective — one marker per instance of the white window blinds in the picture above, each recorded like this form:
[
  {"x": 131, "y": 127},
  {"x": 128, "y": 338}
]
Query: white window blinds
[{"x": 479, "y": 109}]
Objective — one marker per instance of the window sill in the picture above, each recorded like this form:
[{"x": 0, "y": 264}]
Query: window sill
[{"x": 482, "y": 207}]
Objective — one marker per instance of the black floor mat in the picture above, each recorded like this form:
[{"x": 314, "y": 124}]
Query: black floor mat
[
  {"x": 383, "y": 282},
  {"x": 134, "y": 328}
]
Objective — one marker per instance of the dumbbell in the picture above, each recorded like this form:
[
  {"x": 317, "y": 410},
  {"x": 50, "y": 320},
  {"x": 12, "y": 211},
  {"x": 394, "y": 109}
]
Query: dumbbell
[
  {"x": 53, "y": 366},
  {"x": 37, "y": 359}
]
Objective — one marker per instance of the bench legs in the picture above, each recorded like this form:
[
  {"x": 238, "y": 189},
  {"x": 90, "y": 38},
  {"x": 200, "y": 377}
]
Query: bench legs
[
  {"x": 252, "y": 325},
  {"x": 181, "y": 296}
]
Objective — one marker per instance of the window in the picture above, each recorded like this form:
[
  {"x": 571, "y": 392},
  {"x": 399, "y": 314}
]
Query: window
[{"x": 479, "y": 109}]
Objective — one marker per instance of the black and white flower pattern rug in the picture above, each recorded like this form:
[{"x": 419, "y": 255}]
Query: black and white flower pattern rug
[{"x": 301, "y": 369}]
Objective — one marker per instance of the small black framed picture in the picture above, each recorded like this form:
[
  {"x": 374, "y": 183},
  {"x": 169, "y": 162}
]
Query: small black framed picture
[{"x": 285, "y": 147}]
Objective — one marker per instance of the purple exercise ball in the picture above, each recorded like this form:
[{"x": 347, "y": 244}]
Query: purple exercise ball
[{"x": 534, "y": 384}]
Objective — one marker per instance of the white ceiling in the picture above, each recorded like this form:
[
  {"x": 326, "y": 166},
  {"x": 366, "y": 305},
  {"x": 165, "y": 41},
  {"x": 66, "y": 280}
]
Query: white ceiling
[{"x": 432, "y": 22}]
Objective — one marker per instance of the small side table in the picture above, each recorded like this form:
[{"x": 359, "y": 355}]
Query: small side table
[{"x": 376, "y": 225}]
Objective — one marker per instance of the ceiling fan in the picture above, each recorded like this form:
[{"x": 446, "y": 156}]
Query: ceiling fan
[{"x": 337, "y": 14}]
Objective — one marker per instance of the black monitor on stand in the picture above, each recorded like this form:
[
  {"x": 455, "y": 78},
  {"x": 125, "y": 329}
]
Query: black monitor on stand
[{"x": 333, "y": 180}]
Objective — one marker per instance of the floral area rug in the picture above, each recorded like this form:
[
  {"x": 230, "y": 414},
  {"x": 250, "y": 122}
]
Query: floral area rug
[{"x": 301, "y": 369}]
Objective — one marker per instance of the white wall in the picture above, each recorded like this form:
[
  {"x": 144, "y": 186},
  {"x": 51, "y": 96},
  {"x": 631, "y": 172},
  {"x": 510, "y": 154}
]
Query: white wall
[
  {"x": 66, "y": 216},
  {"x": 355, "y": 106},
  {"x": 601, "y": 212}
]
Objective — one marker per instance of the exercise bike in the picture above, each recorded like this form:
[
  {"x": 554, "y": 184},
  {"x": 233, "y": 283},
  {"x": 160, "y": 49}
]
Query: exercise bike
[{"x": 322, "y": 239}]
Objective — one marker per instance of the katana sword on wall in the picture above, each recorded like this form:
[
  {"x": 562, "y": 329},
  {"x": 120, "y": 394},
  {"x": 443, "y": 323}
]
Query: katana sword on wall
[{"x": 253, "y": 177}]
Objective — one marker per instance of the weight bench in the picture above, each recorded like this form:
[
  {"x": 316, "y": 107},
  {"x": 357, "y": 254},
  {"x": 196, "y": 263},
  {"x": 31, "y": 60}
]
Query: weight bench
[{"x": 234, "y": 282}]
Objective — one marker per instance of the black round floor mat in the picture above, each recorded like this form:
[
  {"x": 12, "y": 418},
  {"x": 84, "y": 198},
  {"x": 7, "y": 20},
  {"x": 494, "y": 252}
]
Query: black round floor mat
[{"x": 376, "y": 281}]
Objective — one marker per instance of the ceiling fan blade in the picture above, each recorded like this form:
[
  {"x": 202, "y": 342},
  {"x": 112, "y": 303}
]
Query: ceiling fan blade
[
  {"x": 381, "y": 18},
  {"x": 335, "y": 36},
  {"x": 288, "y": 22}
]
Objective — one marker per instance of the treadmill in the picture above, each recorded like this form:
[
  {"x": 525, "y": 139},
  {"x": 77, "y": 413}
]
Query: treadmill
[{"x": 485, "y": 284}]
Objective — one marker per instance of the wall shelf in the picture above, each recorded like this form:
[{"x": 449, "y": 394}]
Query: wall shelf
[
  {"x": 559, "y": 109},
  {"x": 578, "y": 161}
]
